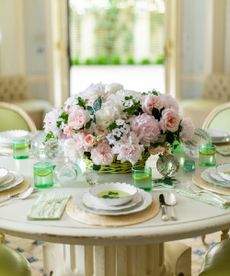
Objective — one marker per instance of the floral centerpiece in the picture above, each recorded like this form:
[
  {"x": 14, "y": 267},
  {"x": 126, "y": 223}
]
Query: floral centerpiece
[{"x": 110, "y": 125}]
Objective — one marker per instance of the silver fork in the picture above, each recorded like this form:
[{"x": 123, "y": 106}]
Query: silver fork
[{"x": 198, "y": 190}]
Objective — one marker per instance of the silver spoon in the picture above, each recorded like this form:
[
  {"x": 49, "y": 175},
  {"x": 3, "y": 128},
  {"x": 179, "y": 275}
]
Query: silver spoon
[
  {"x": 171, "y": 201},
  {"x": 22, "y": 196}
]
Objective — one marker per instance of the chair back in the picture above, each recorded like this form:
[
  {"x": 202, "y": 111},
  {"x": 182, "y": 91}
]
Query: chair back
[
  {"x": 13, "y": 117},
  {"x": 219, "y": 118},
  {"x": 12, "y": 263}
]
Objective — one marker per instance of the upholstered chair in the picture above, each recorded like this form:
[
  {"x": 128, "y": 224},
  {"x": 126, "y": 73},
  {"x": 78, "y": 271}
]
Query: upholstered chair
[
  {"x": 216, "y": 91},
  {"x": 11, "y": 262},
  {"x": 14, "y": 89},
  {"x": 217, "y": 260},
  {"x": 13, "y": 117}
]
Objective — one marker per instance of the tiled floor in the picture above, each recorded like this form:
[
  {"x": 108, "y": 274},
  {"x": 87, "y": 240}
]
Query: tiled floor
[{"x": 32, "y": 250}]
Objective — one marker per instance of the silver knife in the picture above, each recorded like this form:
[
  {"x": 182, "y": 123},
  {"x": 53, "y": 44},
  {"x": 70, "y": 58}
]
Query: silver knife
[{"x": 164, "y": 215}]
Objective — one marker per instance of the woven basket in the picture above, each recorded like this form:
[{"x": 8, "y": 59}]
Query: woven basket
[{"x": 117, "y": 166}]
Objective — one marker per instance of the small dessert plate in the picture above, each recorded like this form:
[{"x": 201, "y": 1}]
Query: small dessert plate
[
  {"x": 114, "y": 193},
  {"x": 3, "y": 174}
]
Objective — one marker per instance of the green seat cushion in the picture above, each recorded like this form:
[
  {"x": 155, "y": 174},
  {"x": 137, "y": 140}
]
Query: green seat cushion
[
  {"x": 12, "y": 263},
  {"x": 11, "y": 120},
  {"x": 217, "y": 260}
]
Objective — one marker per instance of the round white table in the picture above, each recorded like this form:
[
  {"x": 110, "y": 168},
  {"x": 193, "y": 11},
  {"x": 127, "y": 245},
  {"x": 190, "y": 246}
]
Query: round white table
[{"x": 135, "y": 249}]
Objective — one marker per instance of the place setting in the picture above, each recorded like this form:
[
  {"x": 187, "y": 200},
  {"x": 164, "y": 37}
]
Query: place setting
[
  {"x": 112, "y": 204},
  {"x": 12, "y": 184}
]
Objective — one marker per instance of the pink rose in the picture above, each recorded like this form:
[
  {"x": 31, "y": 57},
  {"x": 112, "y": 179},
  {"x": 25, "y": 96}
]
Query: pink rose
[
  {"x": 102, "y": 154},
  {"x": 50, "y": 122},
  {"x": 151, "y": 102},
  {"x": 187, "y": 129},
  {"x": 78, "y": 118},
  {"x": 68, "y": 130},
  {"x": 170, "y": 120},
  {"x": 146, "y": 128},
  {"x": 89, "y": 141},
  {"x": 169, "y": 102}
]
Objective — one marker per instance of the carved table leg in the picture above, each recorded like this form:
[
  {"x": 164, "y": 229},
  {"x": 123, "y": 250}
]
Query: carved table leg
[{"x": 224, "y": 234}]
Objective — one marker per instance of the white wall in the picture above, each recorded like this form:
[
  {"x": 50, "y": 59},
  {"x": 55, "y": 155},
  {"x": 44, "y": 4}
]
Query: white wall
[
  {"x": 24, "y": 43},
  {"x": 195, "y": 46}
]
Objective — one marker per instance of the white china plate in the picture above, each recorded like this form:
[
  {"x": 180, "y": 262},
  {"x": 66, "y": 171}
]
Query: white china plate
[
  {"x": 3, "y": 174},
  {"x": 219, "y": 136},
  {"x": 91, "y": 203},
  {"x": 146, "y": 202},
  {"x": 9, "y": 179},
  {"x": 17, "y": 179},
  {"x": 210, "y": 175},
  {"x": 6, "y": 137},
  {"x": 223, "y": 170}
]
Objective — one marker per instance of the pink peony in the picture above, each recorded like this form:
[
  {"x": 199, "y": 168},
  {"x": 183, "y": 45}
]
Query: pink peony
[
  {"x": 150, "y": 102},
  {"x": 187, "y": 129},
  {"x": 146, "y": 128},
  {"x": 78, "y": 118},
  {"x": 102, "y": 154},
  {"x": 170, "y": 120},
  {"x": 128, "y": 149}
]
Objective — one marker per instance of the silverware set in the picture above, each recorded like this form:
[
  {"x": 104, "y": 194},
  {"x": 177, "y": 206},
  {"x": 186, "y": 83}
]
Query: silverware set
[{"x": 167, "y": 203}]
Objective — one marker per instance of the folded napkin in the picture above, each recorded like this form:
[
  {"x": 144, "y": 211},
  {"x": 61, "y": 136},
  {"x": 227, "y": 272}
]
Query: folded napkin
[
  {"x": 48, "y": 206},
  {"x": 205, "y": 198}
]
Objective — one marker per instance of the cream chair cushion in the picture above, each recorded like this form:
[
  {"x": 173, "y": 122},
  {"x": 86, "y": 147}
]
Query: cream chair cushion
[
  {"x": 14, "y": 89},
  {"x": 216, "y": 92}
]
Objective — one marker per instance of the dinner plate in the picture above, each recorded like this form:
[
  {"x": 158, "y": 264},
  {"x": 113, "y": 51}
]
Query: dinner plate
[
  {"x": 90, "y": 202},
  {"x": 17, "y": 179},
  {"x": 145, "y": 203},
  {"x": 218, "y": 135},
  {"x": 9, "y": 179},
  {"x": 3, "y": 174},
  {"x": 210, "y": 175},
  {"x": 6, "y": 137}
]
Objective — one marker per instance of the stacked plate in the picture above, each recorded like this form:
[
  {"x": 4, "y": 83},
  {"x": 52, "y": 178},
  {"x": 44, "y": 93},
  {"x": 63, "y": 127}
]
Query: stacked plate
[
  {"x": 219, "y": 176},
  {"x": 6, "y": 137},
  {"x": 113, "y": 199},
  {"x": 219, "y": 136},
  {"x": 9, "y": 179}
]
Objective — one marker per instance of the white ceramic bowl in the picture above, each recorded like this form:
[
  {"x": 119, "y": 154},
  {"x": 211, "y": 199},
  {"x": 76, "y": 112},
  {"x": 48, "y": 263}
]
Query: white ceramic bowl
[
  {"x": 3, "y": 174},
  {"x": 113, "y": 194},
  {"x": 224, "y": 171}
]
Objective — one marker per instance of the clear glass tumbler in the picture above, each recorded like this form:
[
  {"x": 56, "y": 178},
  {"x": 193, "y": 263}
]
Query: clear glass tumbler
[
  {"x": 142, "y": 178},
  {"x": 21, "y": 148},
  {"x": 207, "y": 155},
  {"x": 43, "y": 175}
]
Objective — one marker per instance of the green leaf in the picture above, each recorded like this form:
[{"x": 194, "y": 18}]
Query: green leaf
[
  {"x": 156, "y": 113},
  {"x": 97, "y": 104},
  {"x": 49, "y": 135},
  {"x": 90, "y": 110},
  {"x": 64, "y": 116},
  {"x": 112, "y": 126},
  {"x": 81, "y": 101},
  {"x": 170, "y": 137},
  {"x": 88, "y": 124}
]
